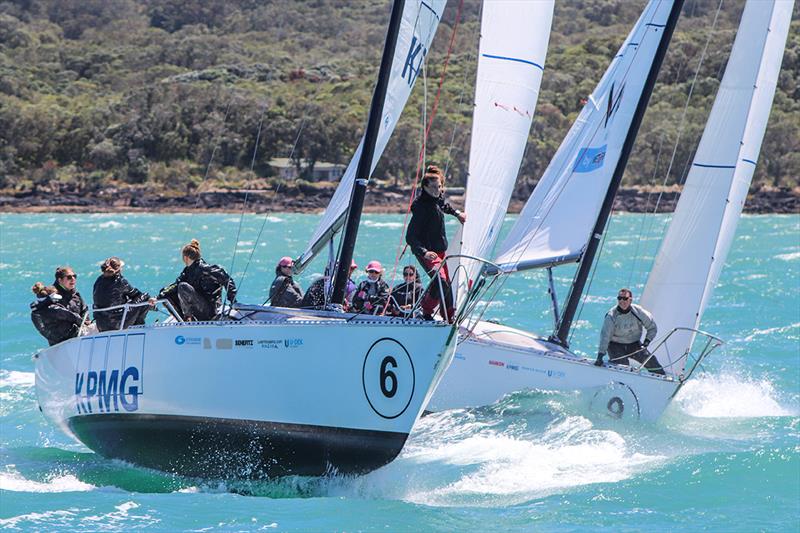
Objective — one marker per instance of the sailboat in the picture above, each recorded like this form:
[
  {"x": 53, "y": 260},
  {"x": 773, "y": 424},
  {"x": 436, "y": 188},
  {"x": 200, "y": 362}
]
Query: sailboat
[
  {"x": 265, "y": 391},
  {"x": 565, "y": 218}
]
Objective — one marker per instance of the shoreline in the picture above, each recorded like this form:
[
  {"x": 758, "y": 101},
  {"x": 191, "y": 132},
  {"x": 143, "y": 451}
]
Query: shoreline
[{"x": 379, "y": 200}]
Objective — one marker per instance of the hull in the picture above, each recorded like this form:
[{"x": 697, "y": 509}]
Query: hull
[
  {"x": 301, "y": 396},
  {"x": 496, "y": 360}
]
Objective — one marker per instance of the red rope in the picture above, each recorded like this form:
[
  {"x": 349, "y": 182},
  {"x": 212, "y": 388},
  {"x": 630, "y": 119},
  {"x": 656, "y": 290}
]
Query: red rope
[{"x": 400, "y": 246}]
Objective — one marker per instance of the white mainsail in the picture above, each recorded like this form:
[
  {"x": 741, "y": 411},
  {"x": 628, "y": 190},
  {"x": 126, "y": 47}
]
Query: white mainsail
[
  {"x": 418, "y": 26},
  {"x": 557, "y": 221},
  {"x": 694, "y": 249},
  {"x": 513, "y": 48}
]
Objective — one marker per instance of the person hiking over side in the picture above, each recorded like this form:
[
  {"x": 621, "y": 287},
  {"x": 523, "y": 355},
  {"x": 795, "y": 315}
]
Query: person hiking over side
[
  {"x": 52, "y": 320},
  {"x": 622, "y": 333},
  {"x": 285, "y": 292},
  {"x": 111, "y": 289},
  {"x": 427, "y": 238},
  {"x": 197, "y": 292}
]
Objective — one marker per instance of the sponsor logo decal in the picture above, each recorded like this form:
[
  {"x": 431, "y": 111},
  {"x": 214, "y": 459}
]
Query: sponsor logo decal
[
  {"x": 590, "y": 159},
  {"x": 513, "y": 367},
  {"x": 293, "y": 343},
  {"x": 106, "y": 391},
  {"x": 496, "y": 363},
  {"x": 244, "y": 343},
  {"x": 269, "y": 344},
  {"x": 180, "y": 340}
]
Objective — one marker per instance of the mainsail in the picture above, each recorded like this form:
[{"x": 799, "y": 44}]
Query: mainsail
[
  {"x": 418, "y": 26},
  {"x": 694, "y": 249},
  {"x": 557, "y": 221},
  {"x": 513, "y": 47}
]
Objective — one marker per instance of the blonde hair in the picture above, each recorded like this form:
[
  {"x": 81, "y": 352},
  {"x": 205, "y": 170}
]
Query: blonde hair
[
  {"x": 40, "y": 290},
  {"x": 111, "y": 266},
  {"x": 192, "y": 250}
]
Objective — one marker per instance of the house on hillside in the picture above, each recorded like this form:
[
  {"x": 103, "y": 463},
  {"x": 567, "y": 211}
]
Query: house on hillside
[{"x": 323, "y": 171}]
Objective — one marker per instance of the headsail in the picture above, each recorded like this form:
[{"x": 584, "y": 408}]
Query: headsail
[
  {"x": 557, "y": 221},
  {"x": 513, "y": 47},
  {"x": 698, "y": 239},
  {"x": 418, "y": 26}
]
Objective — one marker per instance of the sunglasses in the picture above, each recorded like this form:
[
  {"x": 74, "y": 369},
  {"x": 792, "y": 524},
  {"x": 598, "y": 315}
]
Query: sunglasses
[
  {"x": 373, "y": 271},
  {"x": 71, "y": 276},
  {"x": 623, "y": 298},
  {"x": 287, "y": 266}
]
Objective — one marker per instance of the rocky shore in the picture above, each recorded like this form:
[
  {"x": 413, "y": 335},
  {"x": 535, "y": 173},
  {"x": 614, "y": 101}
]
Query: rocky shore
[{"x": 308, "y": 199}]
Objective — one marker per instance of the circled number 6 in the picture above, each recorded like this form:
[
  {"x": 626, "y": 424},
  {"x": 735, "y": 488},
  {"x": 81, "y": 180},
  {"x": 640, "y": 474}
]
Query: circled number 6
[{"x": 388, "y": 375}]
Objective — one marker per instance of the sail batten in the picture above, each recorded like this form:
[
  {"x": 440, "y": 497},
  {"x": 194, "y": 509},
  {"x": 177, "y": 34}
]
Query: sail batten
[{"x": 700, "y": 234}]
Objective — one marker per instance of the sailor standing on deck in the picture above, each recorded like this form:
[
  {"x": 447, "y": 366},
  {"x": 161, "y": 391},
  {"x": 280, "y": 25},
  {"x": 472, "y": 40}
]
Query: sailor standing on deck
[{"x": 621, "y": 335}]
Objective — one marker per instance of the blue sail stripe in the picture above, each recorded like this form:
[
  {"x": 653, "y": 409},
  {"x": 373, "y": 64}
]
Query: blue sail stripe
[
  {"x": 654, "y": 25},
  {"x": 749, "y": 161},
  {"x": 504, "y": 58},
  {"x": 713, "y": 166},
  {"x": 435, "y": 14}
]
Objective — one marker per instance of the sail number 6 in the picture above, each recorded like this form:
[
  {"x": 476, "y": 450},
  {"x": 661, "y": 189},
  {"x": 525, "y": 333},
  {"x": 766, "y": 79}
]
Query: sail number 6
[
  {"x": 389, "y": 392},
  {"x": 388, "y": 378}
]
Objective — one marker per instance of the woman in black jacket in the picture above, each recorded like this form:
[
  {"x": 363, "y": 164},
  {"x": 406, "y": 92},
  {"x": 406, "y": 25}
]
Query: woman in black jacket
[
  {"x": 427, "y": 238},
  {"x": 111, "y": 289},
  {"x": 285, "y": 292},
  {"x": 55, "y": 322},
  {"x": 197, "y": 293},
  {"x": 407, "y": 293}
]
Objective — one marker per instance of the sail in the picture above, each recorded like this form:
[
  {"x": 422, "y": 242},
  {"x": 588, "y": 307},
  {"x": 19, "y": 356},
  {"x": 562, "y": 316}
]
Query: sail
[
  {"x": 557, "y": 220},
  {"x": 418, "y": 26},
  {"x": 513, "y": 47},
  {"x": 694, "y": 249}
]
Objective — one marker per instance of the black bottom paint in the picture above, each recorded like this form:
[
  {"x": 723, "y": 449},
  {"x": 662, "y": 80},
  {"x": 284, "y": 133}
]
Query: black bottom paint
[{"x": 235, "y": 449}]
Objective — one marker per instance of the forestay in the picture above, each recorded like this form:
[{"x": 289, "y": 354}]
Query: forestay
[
  {"x": 418, "y": 26},
  {"x": 556, "y": 222},
  {"x": 513, "y": 47},
  {"x": 694, "y": 249}
]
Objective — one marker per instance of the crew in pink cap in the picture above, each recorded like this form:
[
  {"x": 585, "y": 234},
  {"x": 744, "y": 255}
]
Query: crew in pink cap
[
  {"x": 372, "y": 293},
  {"x": 285, "y": 292}
]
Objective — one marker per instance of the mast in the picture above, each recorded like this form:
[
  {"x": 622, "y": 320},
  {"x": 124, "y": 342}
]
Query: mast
[
  {"x": 364, "y": 163},
  {"x": 579, "y": 283}
]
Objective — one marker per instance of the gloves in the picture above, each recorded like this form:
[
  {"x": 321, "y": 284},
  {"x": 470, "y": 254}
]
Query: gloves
[
  {"x": 599, "y": 361},
  {"x": 646, "y": 343}
]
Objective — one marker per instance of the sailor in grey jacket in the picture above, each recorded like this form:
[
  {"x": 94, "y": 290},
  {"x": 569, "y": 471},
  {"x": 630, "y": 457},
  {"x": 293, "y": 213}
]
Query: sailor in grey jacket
[{"x": 622, "y": 333}]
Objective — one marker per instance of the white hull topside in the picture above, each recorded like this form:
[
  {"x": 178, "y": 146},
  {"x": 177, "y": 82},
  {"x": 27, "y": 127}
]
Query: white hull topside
[
  {"x": 297, "y": 395},
  {"x": 495, "y": 360}
]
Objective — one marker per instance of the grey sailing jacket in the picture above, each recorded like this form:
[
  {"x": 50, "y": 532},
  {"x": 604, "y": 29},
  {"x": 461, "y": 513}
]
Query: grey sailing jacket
[{"x": 626, "y": 328}]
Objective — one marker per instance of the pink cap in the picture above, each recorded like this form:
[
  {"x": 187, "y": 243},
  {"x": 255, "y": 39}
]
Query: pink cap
[
  {"x": 286, "y": 261},
  {"x": 353, "y": 264},
  {"x": 375, "y": 266}
]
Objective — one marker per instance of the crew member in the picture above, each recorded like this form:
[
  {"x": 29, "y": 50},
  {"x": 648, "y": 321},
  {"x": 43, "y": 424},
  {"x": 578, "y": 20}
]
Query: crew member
[
  {"x": 66, "y": 284},
  {"x": 112, "y": 289},
  {"x": 197, "y": 293},
  {"x": 406, "y": 294},
  {"x": 427, "y": 238},
  {"x": 55, "y": 322},
  {"x": 622, "y": 333},
  {"x": 370, "y": 296},
  {"x": 285, "y": 292}
]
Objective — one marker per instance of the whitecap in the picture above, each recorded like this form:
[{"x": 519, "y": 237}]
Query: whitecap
[
  {"x": 730, "y": 395},
  {"x": 12, "y": 480},
  {"x": 373, "y": 224},
  {"x": 110, "y": 224},
  {"x": 14, "y": 378},
  {"x": 788, "y": 257},
  {"x": 770, "y": 331},
  {"x": 59, "y": 515}
]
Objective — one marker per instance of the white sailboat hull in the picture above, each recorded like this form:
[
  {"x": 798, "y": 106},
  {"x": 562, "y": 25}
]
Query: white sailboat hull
[
  {"x": 498, "y": 360},
  {"x": 246, "y": 399}
]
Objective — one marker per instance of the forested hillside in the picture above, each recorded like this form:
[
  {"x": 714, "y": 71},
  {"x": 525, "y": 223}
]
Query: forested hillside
[{"x": 162, "y": 93}]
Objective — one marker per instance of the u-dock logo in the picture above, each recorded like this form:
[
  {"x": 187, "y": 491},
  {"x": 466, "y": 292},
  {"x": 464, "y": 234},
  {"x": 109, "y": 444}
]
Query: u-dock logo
[{"x": 108, "y": 377}]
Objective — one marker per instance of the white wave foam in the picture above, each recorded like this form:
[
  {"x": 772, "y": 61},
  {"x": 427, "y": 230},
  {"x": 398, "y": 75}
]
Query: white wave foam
[
  {"x": 730, "y": 396},
  {"x": 14, "y": 481},
  {"x": 110, "y": 224},
  {"x": 61, "y": 515},
  {"x": 788, "y": 257},
  {"x": 373, "y": 224},
  {"x": 14, "y": 378},
  {"x": 271, "y": 218},
  {"x": 770, "y": 331}
]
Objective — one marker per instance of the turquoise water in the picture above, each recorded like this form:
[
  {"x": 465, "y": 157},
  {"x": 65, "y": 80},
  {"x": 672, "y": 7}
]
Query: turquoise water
[{"x": 725, "y": 456}]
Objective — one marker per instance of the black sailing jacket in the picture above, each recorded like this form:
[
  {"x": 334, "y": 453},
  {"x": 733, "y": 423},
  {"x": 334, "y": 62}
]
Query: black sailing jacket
[
  {"x": 426, "y": 230},
  {"x": 207, "y": 280},
  {"x": 110, "y": 291}
]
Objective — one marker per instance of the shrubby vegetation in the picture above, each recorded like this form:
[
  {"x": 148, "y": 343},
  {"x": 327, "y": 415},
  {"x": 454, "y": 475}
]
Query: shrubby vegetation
[{"x": 95, "y": 93}]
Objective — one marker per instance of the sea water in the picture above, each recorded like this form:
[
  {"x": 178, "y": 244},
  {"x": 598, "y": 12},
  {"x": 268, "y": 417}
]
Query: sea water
[{"x": 724, "y": 457}]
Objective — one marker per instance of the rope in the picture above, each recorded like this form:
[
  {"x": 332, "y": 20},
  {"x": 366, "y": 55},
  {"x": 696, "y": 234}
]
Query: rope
[{"x": 421, "y": 158}]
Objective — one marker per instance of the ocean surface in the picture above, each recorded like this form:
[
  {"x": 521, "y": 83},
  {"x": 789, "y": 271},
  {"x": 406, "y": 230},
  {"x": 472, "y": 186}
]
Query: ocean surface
[{"x": 724, "y": 457}]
